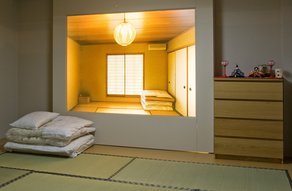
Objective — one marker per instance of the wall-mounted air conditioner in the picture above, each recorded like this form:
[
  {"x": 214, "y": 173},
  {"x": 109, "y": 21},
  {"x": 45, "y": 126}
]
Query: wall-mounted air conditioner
[{"x": 157, "y": 46}]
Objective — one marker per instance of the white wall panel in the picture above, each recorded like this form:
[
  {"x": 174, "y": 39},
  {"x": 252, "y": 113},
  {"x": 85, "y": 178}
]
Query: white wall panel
[{"x": 177, "y": 133}]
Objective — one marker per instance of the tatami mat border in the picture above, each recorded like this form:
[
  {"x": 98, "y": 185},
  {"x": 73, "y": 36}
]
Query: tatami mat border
[
  {"x": 181, "y": 161},
  {"x": 117, "y": 172},
  {"x": 191, "y": 162},
  {"x": 14, "y": 179},
  {"x": 289, "y": 178},
  {"x": 157, "y": 185},
  {"x": 136, "y": 183},
  {"x": 106, "y": 179}
]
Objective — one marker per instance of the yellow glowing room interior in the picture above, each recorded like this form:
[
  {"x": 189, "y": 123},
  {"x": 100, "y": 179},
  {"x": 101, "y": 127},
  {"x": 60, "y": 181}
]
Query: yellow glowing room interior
[{"x": 106, "y": 77}]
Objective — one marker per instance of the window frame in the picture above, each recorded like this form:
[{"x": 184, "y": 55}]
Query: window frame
[{"x": 143, "y": 73}]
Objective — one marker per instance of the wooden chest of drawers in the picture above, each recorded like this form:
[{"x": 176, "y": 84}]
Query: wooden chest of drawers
[{"x": 248, "y": 119}]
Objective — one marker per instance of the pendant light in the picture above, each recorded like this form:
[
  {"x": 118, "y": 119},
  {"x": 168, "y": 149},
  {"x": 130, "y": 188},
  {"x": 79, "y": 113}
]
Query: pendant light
[{"x": 124, "y": 33}]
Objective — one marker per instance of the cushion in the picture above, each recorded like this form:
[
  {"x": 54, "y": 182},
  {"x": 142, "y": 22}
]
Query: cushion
[{"x": 34, "y": 120}]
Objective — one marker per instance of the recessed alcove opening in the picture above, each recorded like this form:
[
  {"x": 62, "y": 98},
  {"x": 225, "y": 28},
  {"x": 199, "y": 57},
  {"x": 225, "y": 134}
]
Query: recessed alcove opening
[
  {"x": 162, "y": 132},
  {"x": 105, "y": 77}
]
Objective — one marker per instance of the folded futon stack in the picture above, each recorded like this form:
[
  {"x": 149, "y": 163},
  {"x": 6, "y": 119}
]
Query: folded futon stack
[
  {"x": 156, "y": 100},
  {"x": 50, "y": 133}
]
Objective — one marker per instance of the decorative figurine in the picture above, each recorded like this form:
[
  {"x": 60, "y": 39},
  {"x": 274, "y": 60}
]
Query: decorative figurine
[
  {"x": 278, "y": 73},
  {"x": 264, "y": 69},
  {"x": 271, "y": 63},
  {"x": 224, "y": 63},
  {"x": 237, "y": 73},
  {"x": 256, "y": 73}
]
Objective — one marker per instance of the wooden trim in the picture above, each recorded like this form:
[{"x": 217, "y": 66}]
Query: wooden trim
[
  {"x": 248, "y": 118},
  {"x": 249, "y": 79},
  {"x": 259, "y": 100},
  {"x": 2, "y": 143},
  {"x": 248, "y": 158},
  {"x": 250, "y": 138}
]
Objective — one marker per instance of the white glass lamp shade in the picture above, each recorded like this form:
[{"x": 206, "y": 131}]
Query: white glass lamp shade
[{"x": 124, "y": 34}]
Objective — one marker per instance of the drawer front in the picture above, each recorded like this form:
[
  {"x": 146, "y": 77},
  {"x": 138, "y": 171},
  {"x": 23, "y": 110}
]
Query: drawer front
[
  {"x": 249, "y": 147},
  {"x": 248, "y": 109},
  {"x": 248, "y": 90},
  {"x": 248, "y": 128}
]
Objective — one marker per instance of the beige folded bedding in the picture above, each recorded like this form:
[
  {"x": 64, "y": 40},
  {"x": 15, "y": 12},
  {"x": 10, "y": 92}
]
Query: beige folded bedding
[
  {"x": 157, "y": 103},
  {"x": 152, "y": 98},
  {"x": 156, "y": 95},
  {"x": 36, "y": 137},
  {"x": 156, "y": 107},
  {"x": 71, "y": 150}
]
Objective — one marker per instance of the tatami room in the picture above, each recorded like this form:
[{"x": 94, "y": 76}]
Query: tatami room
[
  {"x": 104, "y": 76},
  {"x": 212, "y": 142}
]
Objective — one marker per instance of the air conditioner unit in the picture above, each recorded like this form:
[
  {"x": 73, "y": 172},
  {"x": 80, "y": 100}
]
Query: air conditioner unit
[{"x": 157, "y": 46}]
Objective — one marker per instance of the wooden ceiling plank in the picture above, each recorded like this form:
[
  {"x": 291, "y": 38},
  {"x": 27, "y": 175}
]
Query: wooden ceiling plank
[{"x": 150, "y": 26}]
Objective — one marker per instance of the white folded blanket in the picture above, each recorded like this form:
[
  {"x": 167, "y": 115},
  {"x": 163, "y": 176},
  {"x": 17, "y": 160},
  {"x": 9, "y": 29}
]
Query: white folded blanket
[
  {"x": 72, "y": 150},
  {"x": 58, "y": 132},
  {"x": 156, "y": 93},
  {"x": 63, "y": 126},
  {"x": 157, "y": 103},
  {"x": 158, "y": 108},
  {"x": 60, "y": 137}
]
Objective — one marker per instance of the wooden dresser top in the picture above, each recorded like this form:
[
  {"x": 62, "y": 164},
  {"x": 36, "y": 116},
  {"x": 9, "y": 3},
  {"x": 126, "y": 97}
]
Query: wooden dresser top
[{"x": 249, "y": 79}]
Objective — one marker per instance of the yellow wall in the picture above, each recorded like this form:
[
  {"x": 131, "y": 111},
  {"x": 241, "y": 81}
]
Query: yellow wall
[
  {"x": 185, "y": 39},
  {"x": 73, "y": 73},
  {"x": 93, "y": 69}
]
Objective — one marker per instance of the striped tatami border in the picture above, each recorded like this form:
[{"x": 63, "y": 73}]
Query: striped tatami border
[{"x": 110, "y": 179}]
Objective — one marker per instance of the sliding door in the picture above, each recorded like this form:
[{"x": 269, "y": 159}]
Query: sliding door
[
  {"x": 181, "y": 81},
  {"x": 171, "y": 73},
  {"x": 192, "y": 81}
]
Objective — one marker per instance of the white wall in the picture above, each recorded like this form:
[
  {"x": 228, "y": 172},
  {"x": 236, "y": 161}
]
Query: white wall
[
  {"x": 250, "y": 33},
  {"x": 164, "y": 132},
  {"x": 247, "y": 33},
  {"x": 25, "y": 58},
  {"x": 286, "y": 62},
  {"x": 267, "y": 22},
  {"x": 35, "y": 55},
  {"x": 8, "y": 64}
]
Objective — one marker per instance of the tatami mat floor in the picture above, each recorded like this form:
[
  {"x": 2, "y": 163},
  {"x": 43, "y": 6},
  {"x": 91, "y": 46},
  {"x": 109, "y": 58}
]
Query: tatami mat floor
[
  {"x": 121, "y": 108},
  {"x": 176, "y": 155},
  {"x": 182, "y": 156}
]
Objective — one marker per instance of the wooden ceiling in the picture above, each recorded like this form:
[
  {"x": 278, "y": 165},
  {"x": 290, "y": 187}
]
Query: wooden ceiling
[{"x": 152, "y": 26}]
